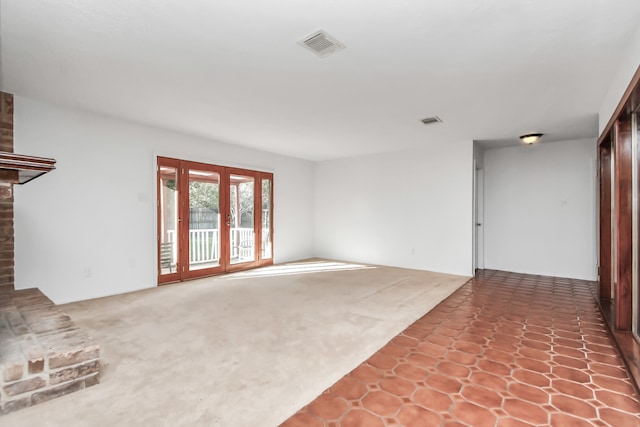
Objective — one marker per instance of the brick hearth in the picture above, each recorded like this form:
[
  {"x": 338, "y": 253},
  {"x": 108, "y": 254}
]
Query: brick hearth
[{"x": 43, "y": 354}]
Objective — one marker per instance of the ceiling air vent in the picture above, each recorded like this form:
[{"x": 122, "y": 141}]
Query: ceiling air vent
[
  {"x": 321, "y": 43},
  {"x": 431, "y": 120}
]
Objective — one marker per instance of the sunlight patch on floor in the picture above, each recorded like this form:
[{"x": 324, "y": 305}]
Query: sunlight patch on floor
[{"x": 299, "y": 268}]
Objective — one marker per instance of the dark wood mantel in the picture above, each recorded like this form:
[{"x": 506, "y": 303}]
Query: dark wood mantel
[{"x": 19, "y": 168}]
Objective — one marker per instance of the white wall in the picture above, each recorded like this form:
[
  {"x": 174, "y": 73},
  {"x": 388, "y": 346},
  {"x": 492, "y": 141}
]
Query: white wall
[
  {"x": 627, "y": 68},
  {"x": 409, "y": 209},
  {"x": 540, "y": 209},
  {"x": 97, "y": 212}
]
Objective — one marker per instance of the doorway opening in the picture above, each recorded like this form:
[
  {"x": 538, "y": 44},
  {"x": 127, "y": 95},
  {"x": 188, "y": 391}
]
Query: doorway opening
[{"x": 478, "y": 210}]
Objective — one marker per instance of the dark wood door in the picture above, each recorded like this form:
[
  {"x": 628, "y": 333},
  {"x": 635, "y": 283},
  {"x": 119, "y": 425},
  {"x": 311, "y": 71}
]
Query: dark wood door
[
  {"x": 624, "y": 223},
  {"x": 605, "y": 270}
]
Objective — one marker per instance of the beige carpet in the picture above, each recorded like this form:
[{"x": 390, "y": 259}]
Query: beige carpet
[{"x": 247, "y": 349}]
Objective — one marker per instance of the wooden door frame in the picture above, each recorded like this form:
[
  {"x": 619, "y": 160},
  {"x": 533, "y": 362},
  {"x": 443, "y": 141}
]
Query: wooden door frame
[
  {"x": 635, "y": 284},
  {"x": 605, "y": 271},
  {"x": 173, "y": 163},
  {"x": 183, "y": 211},
  {"x": 624, "y": 222},
  {"x": 617, "y": 136},
  {"x": 619, "y": 312},
  {"x": 257, "y": 219},
  {"x": 184, "y": 224}
]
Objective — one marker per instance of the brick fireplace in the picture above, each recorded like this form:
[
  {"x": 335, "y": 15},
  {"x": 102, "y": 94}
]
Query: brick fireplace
[
  {"x": 43, "y": 353},
  {"x": 6, "y": 204}
]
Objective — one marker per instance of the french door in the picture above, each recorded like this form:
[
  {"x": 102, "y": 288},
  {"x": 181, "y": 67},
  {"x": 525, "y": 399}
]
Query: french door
[{"x": 212, "y": 219}]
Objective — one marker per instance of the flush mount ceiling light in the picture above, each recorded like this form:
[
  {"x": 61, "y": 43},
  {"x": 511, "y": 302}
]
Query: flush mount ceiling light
[
  {"x": 321, "y": 43},
  {"x": 531, "y": 138}
]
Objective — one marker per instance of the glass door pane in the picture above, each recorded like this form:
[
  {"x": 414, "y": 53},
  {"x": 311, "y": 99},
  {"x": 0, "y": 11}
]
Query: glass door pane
[
  {"x": 266, "y": 219},
  {"x": 241, "y": 219},
  {"x": 204, "y": 219},
  {"x": 168, "y": 224}
]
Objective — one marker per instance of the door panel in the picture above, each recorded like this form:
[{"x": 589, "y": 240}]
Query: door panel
[
  {"x": 168, "y": 244},
  {"x": 606, "y": 223},
  {"x": 636, "y": 231},
  {"x": 623, "y": 231},
  {"x": 265, "y": 238},
  {"x": 202, "y": 220},
  {"x": 242, "y": 231}
]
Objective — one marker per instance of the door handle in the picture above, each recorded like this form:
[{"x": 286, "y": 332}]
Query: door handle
[
  {"x": 478, "y": 224},
  {"x": 228, "y": 219}
]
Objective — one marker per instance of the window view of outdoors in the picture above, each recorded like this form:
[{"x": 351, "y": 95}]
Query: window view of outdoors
[
  {"x": 242, "y": 233},
  {"x": 266, "y": 218},
  {"x": 204, "y": 219},
  {"x": 168, "y": 219}
]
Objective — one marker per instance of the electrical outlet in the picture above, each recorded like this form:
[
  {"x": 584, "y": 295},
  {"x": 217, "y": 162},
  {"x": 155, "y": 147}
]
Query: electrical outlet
[{"x": 87, "y": 272}]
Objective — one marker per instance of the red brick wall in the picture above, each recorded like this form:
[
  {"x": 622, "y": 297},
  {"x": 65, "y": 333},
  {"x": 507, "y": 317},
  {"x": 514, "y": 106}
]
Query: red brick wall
[{"x": 6, "y": 205}]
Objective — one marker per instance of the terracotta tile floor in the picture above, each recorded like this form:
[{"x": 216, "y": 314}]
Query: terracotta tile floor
[{"x": 505, "y": 349}]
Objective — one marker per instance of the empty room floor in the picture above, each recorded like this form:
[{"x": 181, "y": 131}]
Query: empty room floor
[
  {"x": 506, "y": 349},
  {"x": 286, "y": 345},
  {"x": 242, "y": 350}
]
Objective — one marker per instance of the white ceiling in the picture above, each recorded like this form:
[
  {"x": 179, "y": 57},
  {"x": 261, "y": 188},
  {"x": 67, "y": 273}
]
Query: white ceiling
[{"x": 231, "y": 70}]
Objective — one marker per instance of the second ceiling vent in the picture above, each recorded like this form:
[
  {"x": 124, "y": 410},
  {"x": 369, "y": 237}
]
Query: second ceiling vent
[
  {"x": 431, "y": 120},
  {"x": 321, "y": 43}
]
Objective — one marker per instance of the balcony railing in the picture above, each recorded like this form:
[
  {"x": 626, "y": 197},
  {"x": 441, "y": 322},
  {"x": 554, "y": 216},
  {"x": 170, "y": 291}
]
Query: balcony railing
[{"x": 204, "y": 244}]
